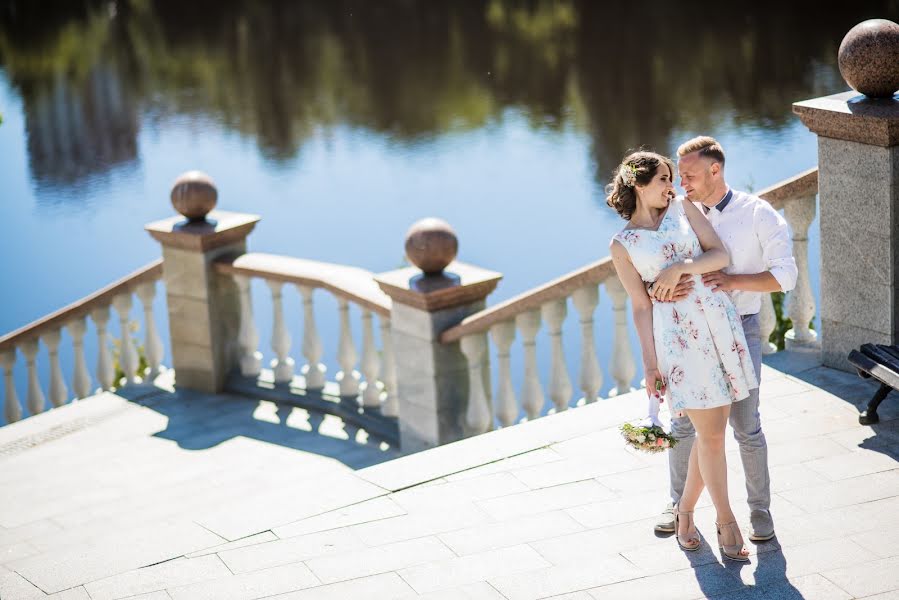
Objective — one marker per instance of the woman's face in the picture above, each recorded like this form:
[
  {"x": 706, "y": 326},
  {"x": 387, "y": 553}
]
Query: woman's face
[{"x": 660, "y": 190}]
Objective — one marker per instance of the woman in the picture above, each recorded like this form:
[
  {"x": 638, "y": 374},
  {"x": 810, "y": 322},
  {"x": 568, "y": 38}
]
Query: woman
[{"x": 694, "y": 348}]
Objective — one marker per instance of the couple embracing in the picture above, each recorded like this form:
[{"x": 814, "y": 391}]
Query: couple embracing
[{"x": 695, "y": 269}]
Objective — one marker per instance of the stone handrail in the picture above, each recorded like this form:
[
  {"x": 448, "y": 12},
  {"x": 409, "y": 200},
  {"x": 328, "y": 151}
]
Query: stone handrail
[
  {"x": 799, "y": 186},
  {"x": 73, "y": 318},
  {"x": 83, "y": 307},
  {"x": 353, "y": 284},
  {"x": 562, "y": 287}
]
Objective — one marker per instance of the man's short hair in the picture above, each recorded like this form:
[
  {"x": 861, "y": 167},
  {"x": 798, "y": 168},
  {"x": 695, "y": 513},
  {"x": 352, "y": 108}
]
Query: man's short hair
[{"x": 707, "y": 146}]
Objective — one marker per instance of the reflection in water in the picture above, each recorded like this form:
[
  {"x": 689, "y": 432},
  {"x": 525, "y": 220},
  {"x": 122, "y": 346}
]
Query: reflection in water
[{"x": 277, "y": 72}]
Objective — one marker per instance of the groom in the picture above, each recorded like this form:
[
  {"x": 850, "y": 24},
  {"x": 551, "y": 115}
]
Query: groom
[{"x": 761, "y": 261}]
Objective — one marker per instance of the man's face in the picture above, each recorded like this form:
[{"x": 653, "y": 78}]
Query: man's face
[{"x": 695, "y": 176}]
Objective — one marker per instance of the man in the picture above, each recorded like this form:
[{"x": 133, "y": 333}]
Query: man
[{"x": 760, "y": 245}]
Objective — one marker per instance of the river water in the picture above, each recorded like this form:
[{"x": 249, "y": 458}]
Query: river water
[{"x": 343, "y": 122}]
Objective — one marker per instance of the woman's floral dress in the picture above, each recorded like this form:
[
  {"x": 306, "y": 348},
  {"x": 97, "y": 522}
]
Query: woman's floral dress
[{"x": 699, "y": 340}]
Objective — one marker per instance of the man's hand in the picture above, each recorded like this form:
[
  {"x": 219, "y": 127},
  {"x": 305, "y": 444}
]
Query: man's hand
[
  {"x": 719, "y": 280},
  {"x": 681, "y": 290}
]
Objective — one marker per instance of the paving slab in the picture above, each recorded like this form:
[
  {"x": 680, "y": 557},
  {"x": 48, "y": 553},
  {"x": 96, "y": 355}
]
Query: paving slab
[
  {"x": 531, "y": 528},
  {"x": 382, "y": 507},
  {"x": 249, "y": 586},
  {"x": 382, "y": 559},
  {"x": 700, "y": 581},
  {"x": 387, "y": 586},
  {"x": 112, "y": 554},
  {"x": 295, "y": 549},
  {"x": 452, "y": 572},
  {"x": 181, "y": 571}
]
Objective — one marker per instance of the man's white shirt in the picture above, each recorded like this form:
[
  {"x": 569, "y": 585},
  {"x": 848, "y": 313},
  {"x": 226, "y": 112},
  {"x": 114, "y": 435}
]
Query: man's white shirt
[{"x": 758, "y": 239}]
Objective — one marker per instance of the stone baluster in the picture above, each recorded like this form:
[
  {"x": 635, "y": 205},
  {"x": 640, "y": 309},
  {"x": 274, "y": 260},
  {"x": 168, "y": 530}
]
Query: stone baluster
[
  {"x": 313, "y": 370},
  {"x": 347, "y": 377},
  {"x": 391, "y": 406},
  {"x": 532, "y": 398},
  {"x": 585, "y": 301},
  {"x": 371, "y": 364},
  {"x": 128, "y": 360},
  {"x": 35, "y": 398},
  {"x": 554, "y": 313},
  {"x": 247, "y": 335},
  {"x": 503, "y": 335},
  {"x": 767, "y": 323},
  {"x": 105, "y": 373},
  {"x": 478, "y": 414},
  {"x": 623, "y": 367},
  {"x": 58, "y": 391},
  {"x": 12, "y": 406},
  {"x": 81, "y": 377},
  {"x": 282, "y": 364},
  {"x": 800, "y": 303},
  {"x": 152, "y": 344}
]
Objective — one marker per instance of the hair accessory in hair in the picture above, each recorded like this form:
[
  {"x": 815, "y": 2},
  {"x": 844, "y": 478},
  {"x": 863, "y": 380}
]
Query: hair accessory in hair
[{"x": 628, "y": 174}]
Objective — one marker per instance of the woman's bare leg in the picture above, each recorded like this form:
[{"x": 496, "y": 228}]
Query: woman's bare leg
[
  {"x": 693, "y": 487},
  {"x": 710, "y": 426}
]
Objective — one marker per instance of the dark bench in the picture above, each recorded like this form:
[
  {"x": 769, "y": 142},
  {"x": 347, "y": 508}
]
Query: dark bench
[{"x": 882, "y": 363}]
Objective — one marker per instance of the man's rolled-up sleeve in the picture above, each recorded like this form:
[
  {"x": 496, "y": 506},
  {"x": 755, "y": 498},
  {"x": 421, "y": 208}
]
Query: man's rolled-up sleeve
[{"x": 776, "y": 240}]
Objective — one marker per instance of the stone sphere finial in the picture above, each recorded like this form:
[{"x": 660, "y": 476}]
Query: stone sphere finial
[
  {"x": 431, "y": 244},
  {"x": 869, "y": 58},
  {"x": 194, "y": 194}
]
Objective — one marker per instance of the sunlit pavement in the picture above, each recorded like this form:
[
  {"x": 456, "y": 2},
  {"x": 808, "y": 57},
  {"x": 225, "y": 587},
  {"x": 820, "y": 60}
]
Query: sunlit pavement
[{"x": 159, "y": 495}]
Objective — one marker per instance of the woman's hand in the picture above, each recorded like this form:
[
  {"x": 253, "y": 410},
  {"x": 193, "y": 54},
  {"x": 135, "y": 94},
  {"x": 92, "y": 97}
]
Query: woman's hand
[
  {"x": 655, "y": 383},
  {"x": 666, "y": 282}
]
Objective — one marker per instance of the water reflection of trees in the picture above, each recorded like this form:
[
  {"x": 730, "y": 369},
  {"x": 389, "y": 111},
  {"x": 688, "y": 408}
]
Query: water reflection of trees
[{"x": 627, "y": 73}]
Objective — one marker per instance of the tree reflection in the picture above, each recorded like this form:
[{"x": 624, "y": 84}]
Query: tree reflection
[{"x": 628, "y": 74}]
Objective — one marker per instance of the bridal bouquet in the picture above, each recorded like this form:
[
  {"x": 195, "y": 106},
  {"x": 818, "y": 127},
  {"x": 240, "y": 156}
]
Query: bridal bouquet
[{"x": 648, "y": 435}]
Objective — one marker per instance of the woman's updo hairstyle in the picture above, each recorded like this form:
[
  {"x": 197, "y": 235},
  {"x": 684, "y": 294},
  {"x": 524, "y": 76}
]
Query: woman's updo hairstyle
[{"x": 636, "y": 169}]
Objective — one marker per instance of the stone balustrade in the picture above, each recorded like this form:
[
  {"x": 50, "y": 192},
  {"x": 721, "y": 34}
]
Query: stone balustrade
[
  {"x": 526, "y": 313},
  {"x": 431, "y": 376},
  {"x": 74, "y": 319},
  {"x": 374, "y": 382}
]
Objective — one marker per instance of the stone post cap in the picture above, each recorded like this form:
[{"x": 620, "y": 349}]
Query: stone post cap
[
  {"x": 852, "y": 117},
  {"x": 431, "y": 245},
  {"x": 869, "y": 58},
  {"x": 219, "y": 228},
  {"x": 194, "y": 195},
  {"x": 459, "y": 284}
]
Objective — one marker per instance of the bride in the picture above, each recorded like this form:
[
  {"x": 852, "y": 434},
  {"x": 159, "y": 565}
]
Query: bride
[{"x": 695, "y": 347}]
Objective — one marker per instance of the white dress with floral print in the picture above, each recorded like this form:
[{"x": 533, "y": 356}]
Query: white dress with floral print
[{"x": 699, "y": 340}]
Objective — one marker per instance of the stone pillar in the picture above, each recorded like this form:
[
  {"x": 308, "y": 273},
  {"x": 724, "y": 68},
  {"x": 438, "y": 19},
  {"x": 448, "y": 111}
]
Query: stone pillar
[
  {"x": 858, "y": 166},
  {"x": 432, "y": 377},
  {"x": 203, "y": 306}
]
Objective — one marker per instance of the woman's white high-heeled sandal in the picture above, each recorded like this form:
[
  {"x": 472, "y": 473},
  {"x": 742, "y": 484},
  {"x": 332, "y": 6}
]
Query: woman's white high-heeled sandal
[
  {"x": 692, "y": 541},
  {"x": 736, "y": 551}
]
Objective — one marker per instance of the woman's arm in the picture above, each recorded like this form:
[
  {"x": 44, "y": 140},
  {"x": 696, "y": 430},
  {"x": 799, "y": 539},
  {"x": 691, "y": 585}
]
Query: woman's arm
[
  {"x": 713, "y": 258},
  {"x": 642, "y": 310},
  {"x": 714, "y": 254}
]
